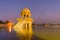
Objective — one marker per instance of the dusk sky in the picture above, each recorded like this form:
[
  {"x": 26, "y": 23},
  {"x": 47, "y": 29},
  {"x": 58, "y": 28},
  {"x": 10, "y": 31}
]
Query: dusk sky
[{"x": 43, "y": 11}]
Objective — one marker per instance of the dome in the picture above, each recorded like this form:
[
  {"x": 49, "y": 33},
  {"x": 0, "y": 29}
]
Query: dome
[{"x": 25, "y": 12}]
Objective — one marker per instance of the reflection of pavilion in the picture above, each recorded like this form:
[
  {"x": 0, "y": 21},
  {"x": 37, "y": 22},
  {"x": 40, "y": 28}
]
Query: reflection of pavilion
[{"x": 24, "y": 24}]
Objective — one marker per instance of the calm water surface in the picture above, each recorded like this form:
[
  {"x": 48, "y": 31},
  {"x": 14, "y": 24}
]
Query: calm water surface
[{"x": 40, "y": 33}]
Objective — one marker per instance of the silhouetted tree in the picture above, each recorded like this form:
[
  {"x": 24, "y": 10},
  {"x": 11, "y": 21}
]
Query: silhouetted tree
[
  {"x": 7, "y": 21},
  {"x": 1, "y": 22}
]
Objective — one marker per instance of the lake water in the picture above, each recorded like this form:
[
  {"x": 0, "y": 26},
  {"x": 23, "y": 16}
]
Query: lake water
[
  {"x": 39, "y": 33},
  {"x": 49, "y": 33}
]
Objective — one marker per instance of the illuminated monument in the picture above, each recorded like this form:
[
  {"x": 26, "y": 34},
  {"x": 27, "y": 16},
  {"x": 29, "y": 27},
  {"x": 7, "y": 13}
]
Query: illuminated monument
[{"x": 24, "y": 25}]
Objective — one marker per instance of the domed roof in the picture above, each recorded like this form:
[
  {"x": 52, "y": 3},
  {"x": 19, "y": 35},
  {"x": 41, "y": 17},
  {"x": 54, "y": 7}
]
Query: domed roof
[{"x": 25, "y": 11}]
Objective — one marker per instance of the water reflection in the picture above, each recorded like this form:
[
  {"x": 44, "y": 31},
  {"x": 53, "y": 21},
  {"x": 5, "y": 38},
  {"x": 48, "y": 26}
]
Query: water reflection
[
  {"x": 5, "y": 35},
  {"x": 40, "y": 33}
]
